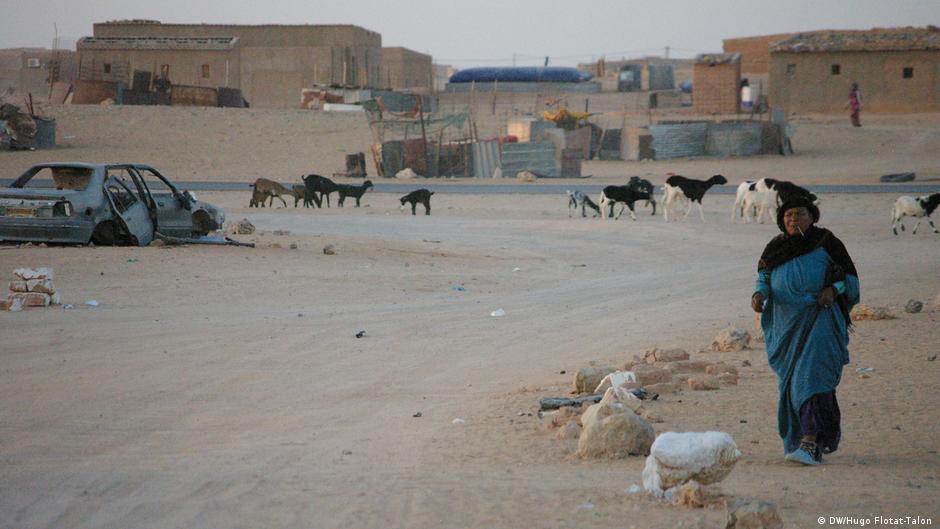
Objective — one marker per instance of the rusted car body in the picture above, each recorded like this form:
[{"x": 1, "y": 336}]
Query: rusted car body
[{"x": 101, "y": 203}]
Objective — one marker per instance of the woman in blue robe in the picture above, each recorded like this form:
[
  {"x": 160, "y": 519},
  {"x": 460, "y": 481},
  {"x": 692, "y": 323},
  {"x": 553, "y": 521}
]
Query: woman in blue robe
[{"x": 806, "y": 286}]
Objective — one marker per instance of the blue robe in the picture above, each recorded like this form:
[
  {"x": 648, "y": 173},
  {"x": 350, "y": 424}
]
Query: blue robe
[{"x": 807, "y": 344}]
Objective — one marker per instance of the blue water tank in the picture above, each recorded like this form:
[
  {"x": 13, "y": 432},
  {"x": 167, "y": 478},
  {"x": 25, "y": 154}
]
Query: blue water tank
[{"x": 523, "y": 74}]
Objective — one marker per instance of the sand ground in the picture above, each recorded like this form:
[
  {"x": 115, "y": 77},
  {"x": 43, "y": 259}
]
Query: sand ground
[{"x": 224, "y": 387}]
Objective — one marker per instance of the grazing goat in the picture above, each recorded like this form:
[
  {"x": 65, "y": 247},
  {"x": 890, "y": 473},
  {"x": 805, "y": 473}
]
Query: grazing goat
[
  {"x": 346, "y": 190},
  {"x": 579, "y": 199},
  {"x": 264, "y": 189},
  {"x": 420, "y": 195},
  {"x": 688, "y": 190},
  {"x": 919, "y": 208},
  {"x": 625, "y": 194},
  {"x": 313, "y": 184}
]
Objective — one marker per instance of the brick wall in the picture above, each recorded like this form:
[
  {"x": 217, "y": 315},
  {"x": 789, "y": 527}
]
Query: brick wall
[
  {"x": 716, "y": 88},
  {"x": 755, "y": 51},
  {"x": 806, "y": 82}
]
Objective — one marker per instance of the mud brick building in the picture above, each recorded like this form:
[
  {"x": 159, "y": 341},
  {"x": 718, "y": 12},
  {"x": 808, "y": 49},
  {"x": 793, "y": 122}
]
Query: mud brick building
[
  {"x": 898, "y": 70},
  {"x": 716, "y": 80}
]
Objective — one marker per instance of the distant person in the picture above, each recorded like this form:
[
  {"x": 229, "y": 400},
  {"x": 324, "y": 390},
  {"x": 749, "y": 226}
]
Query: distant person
[
  {"x": 855, "y": 105},
  {"x": 747, "y": 100},
  {"x": 806, "y": 286}
]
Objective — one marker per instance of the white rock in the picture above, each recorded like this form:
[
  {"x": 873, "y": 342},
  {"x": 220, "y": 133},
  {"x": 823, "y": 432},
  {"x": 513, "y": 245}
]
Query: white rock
[
  {"x": 615, "y": 380},
  {"x": 33, "y": 273},
  {"x": 406, "y": 174},
  {"x": 616, "y": 436},
  {"x": 675, "y": 458},
  {"x": 731, "y": 339}
]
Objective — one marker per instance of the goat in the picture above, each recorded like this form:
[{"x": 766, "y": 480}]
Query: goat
[
  {"x": 419, "y": 195},
  {"x": 578, "y": 198},
  {"x": 625, "y": 194},
  {"x": 788, "y": 190},
  {"x": 644, "y": 185},
  {"x": 257, "y": 198},
  {"x": 347, "y": 190},
  {"x": 919, "y": 208},
  {"x": 757, "y": 203},
  {"x": 755, "y": 197},
  {"x": 298, "y": 191},
  {"x": 264, "y": 188},
  {"x": 313, "y": 184},
  {"x": 690, "y": 190}
]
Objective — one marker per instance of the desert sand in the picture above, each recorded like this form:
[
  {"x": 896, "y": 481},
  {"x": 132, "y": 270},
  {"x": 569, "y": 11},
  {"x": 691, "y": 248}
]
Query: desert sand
[{"x": 224, "y": 387}]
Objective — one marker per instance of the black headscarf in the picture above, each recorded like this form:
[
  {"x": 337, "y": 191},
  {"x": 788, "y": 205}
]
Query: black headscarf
[{"x": 785, "y": 247}]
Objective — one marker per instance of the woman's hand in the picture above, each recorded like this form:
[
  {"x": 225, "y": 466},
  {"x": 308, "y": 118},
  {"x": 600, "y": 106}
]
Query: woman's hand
[
  {"x": 757, "y": 302},
  {"x": 826, "y": 297}
]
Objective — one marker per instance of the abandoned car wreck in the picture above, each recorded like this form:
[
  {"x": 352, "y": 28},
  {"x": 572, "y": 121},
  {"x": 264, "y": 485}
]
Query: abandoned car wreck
[{"x": 105, "y": 204}]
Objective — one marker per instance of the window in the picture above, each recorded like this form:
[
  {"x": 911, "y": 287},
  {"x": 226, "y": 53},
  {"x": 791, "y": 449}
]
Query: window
[
  {"x": 205, "y": 71},
  {"x": 791, "y": 69},
  {"x": 107, "y": 67},
  {"x": 836, "y": 69},
  {"x": 909, "y": 73}
]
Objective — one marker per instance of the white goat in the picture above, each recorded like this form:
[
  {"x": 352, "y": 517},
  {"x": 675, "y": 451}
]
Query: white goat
[
  {"x": 918, "y": 208},
  {"x": 765, "y": 200}
]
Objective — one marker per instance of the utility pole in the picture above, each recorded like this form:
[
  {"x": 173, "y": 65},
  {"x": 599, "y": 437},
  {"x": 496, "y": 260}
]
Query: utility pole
[{"x": 667, "y": 52}]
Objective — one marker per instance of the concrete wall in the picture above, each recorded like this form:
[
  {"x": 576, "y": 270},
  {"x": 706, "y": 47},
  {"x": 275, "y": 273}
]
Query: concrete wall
[
  {"x": 16, "y": 74},
  {"x": 716, "y": 88},
  {"x": 403, "y": 68},
  {"x": 277, "y": 61},
  {"x": 755, "y": 51},
  {"x": 186, "y": 66},
  {"x": 810, "y": 86}
]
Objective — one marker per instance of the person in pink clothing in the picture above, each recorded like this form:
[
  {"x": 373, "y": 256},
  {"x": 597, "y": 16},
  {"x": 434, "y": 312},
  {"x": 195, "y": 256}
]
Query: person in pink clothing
[{"x": 855, "y": 105}]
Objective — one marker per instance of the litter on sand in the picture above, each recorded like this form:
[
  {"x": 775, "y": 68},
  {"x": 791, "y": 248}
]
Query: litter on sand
[
  {"x": 458, "y": 288},
  {"x": 458, "y": 420},
  {"x": 67, "y": 306},
  {"x": 92, "y": 303},
  {"x": 497, "y": 313},
  {"x": 865, "y": 370}
]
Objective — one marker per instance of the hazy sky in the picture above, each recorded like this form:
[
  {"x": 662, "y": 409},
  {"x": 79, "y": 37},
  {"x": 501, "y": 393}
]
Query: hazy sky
[{"x": 489, "y": 32}]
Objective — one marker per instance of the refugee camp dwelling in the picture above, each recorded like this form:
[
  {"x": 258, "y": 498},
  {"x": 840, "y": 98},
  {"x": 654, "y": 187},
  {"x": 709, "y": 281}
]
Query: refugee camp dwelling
[
  {"x": 270, "y": 64},
  {"x": 755, "y": 57},
  {"x": 404, "y": 69},
  {"x": 898, "y": 70},
  {"x": 640, "y": 74},
  {"x": 28, "y": 70},
  {"x": 716, "y": 78}
]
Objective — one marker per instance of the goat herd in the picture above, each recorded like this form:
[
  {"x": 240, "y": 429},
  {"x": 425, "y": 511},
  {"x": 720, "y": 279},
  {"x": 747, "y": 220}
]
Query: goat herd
[
  {"x": 756, "y": 200},
  {"x": 753, "y": 201},
  {"x": 316, "y": 188}
]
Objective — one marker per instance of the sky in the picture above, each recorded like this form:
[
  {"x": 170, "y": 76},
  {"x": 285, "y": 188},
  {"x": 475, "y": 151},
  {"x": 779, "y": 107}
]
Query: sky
[{"x": 489, "y": 32}]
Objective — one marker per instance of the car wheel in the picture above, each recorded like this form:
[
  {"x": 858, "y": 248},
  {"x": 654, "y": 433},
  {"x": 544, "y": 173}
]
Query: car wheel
[{"x": 202, "y": 224}]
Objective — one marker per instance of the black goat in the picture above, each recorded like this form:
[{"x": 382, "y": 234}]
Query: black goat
[
  {"x": 643, "y": 185},
  {"x": 347, "y": 190},
  {"x": 313, "y": 184},
  {"x": 690, "y": 190},
  {"x": 420, "y": 195},
  {"x": 788, "y": 190},
  {"x": 625, "y": 194}
]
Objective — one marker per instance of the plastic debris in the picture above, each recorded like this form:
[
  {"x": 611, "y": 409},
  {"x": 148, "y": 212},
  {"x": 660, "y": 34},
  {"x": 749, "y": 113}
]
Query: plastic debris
[
  {"x": 360, "y": 334},
  {"x": 865, "y": 370},
  {"x": 517, "y": 269},
  {"x": 132, "y": 260},
  {"x": 634, "y": 489},
  {"x": 458, "y": 288},
  {"x": 67, "y": 306},
  {"x": 458, "y": 420},
  {"x": 586, "y": 506},
  {"x": 418, "y": 414},
  {"x": 92, "y": 303},
  {"x": 497, "y": 313}
]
